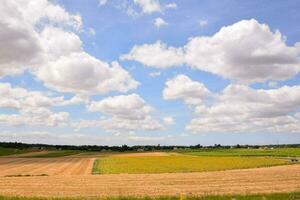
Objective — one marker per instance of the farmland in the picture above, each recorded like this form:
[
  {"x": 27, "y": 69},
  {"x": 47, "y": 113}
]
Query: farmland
[
  {"x": 68, "y": 174},
  {"x": 179, "y": 163},
  {"x": 53, "y": 154},
  {"x": 11, "y": 151},
  {"x": 279, "y": 152},
  {"x": 45, "y": 166},
  {"x": 275, "y": 196},
  {"x": 242, "y": 181}
]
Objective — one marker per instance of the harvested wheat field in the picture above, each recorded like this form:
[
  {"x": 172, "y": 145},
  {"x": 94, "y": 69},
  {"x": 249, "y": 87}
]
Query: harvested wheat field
[
  {"x": 260, "y": 180},
  {"x": 45, "y": 166}
]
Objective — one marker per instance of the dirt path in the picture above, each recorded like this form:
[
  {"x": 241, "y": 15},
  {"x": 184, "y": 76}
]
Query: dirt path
[{"x": 261, "y": 180}]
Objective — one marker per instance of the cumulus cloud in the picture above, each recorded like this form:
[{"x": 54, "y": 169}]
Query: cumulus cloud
[
  {"x": 32, "y": 107},
  {"x": 168, "y": 120},
  {"x": 82, "y": 73},
  {"x": 155, "y": 74},
  {"x": 241, "y": 109},
  {"x": 158, "y": 22},
  {"x": 171, "y": 6},
  {"x": 102, "y": 2},
  {"x": 156, "y": 55},
  {"x": 203, "y": 22},
  {"x": 124, "y": 106},
  {"x": 148, "y": 6},
  {"x": 37, "y": 36},
  {"x": 182, "y": 87},
  {"x": 21, "y": 47},
  {"x": 245, "y": 52},
  {"x": 126, "y": 113},
  {"x": 119, "y": 125}
]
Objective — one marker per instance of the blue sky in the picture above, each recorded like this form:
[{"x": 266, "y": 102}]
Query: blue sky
[{"x": 150, "y": 72}]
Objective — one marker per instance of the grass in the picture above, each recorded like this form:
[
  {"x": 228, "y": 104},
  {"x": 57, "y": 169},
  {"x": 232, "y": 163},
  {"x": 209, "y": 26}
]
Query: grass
[
  {"x": 277, "y": 152},
  {"x": 11, "y": 151},
  {"x": 53, "y": 154},
  {"x": 275, "y": 196},
  {"x": 179, "y": 163}
]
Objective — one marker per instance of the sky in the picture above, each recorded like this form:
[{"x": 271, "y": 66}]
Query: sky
[{"x": 137, "y": 72}]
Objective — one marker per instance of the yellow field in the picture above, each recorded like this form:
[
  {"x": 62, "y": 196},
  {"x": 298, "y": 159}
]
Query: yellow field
[{"x": 178, "y": 163}]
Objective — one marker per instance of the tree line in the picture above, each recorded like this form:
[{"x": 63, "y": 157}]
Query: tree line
[{"x": 122, "y": 148}]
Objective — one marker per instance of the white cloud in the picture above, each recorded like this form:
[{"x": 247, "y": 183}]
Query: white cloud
[
  {"x": 148, "y": 6},
  {"x": 69, "y": 69},
  {"x": 171, "y": 6},
  {"x": 156, "y": 55},
  {"x": 19, "y": 41},
  {"x": 33, "y": 107},
  {"x": 57, "y": 42},
  {"x": 272, "y": 84},
  {"x": 77, "y": 138},
  {"x": 203, "y": 22},
  {"x": 168, "y": 120},
  {"x": 158, "y": 22},
  {"x": 37, "y": 36},
  {"x": 120, "y": 125},
  {"x": 239, "y": 108},
  {"x": 155, "y": 74},
  {"x": 82, "y": 73},
  {"x": 124, "y": 106},
  {"x": 245, "y": 52},
  {"x": 91, "y": 31},
  {"x": 102, "y": 2},
  {"x": 182, "y": 87},
  {"x": 127, "y": 113}
]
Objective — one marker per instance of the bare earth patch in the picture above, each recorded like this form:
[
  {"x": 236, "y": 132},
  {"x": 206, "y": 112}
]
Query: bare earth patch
[{"x": 260, "y": 180}]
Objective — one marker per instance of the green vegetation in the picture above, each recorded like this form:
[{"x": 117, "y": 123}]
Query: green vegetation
[
  {"x": 179, "y": 163},
  {"x": 52, "y": 154},
  {"x": 275, "y": 196},
  {"x": 11, "y": 151},
  {"x": 279, "y": 152}
]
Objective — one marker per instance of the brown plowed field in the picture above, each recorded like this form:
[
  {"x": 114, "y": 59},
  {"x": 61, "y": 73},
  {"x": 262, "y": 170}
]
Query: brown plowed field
[
  {"x": 48, "y": 166},
  {"x": 260, "y": 180}
]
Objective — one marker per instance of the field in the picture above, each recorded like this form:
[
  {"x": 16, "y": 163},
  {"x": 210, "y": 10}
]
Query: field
[
  {"x": 275, "y": 196},
  {"x": 10, "y": 151},
  {"x": 179, "y": 163},
  {"x": 278, "y": 152},
  {"x": 68, "y": 174},
  {"x": 54, "y": 154},
  {"x": 10, "y": 167},
  {"x": 244, "y": 181}
]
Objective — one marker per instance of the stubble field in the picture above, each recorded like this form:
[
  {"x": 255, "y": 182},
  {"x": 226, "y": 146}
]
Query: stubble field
[
  {"x": 45, "y": 166},
  {"x": 145, "y": 174}
]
